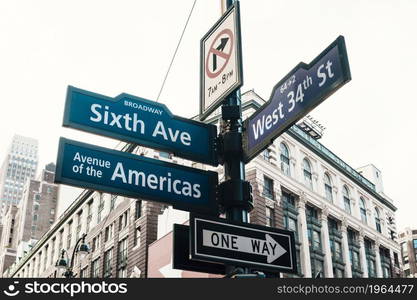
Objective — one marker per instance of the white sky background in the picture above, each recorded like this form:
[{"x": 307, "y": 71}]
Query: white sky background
[{"x": 110, "y": 47}]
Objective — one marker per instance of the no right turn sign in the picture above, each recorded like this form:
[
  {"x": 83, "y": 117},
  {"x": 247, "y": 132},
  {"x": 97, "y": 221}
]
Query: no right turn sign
[{"x": 221, "y": 61}]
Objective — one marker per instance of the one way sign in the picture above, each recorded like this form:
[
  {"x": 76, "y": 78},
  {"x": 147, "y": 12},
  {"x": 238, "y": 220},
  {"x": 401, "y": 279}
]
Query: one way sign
[{"x": 257, "y": 247}]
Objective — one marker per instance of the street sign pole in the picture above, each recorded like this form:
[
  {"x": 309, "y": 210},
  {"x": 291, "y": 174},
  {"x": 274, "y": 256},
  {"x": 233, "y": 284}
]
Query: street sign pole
[{"x": 235, "y": 191}]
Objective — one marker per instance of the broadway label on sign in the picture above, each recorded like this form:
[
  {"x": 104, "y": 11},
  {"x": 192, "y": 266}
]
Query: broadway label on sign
[
  {"x": 221, "y": 61},
  {"x": 140, "y": 121},
  {"x": 253, "y": 246},
  {"x": 305, "y": 87},
  {"x": 135, "y": 176}
]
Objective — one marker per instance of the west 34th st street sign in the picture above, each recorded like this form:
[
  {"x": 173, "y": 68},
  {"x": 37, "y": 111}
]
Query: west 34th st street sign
[
  {"x": 305, "y": 87},
  {"x": 135, "y": 176},
  {"x": 140, "y": 121}
]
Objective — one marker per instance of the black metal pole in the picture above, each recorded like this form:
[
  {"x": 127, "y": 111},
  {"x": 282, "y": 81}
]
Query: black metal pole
[{"x": 234, "y": 167}]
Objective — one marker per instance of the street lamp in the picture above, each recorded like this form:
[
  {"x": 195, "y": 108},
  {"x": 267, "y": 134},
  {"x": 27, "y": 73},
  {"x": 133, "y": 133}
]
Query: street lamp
[{"x": 64, "y": 265}]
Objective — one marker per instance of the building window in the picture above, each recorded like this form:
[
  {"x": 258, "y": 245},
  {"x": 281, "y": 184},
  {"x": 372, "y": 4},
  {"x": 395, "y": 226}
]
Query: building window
[
  {"x": 108, "y": 233},
  {"x": 307, "y": 174},
  {"x": 45, "y": 258},
  {"x": 285, "y": 159},
  {"x": 338, "y": 273},
  {"x": 336, "y": 249},
  {"x": 84, "y": 273},
  {"x": 69, "y": 236},
  {"x": 385, "y": 272},
  {"x": 290, "y": 223},
  {"x": 122, "y": 259},
  {"x": 346, "y": 199},
  {"x": 266, "y": 154},
  {"x": 354, "y": 259},
  {"x": 136, "y": 241},
  {"x": 270, "y": 217},
  {"x": 415, "y": 244},
  {"x": 404, "y": 249},
  {"x": 288, "y": 199},
  {"x": 316, "y": 240},
  {"x": 89, "y": 215},
  {"x": 108, "y": 256},
  {"x": 78, "y": 228},
  {"x": 138, "y": 209},
  {"x": 377, "y": 220},
  {"x": 317, "y": 268},
  {"x": 96, "y": 243},
  {"x": 123, "y": 220},
  {"x": 311, "y": 213},
  {"x": 100, "y": 207},
  {"x": 371, "y": 268},
  {"x": 95, "y": 268},
  {"x": 362, "y": 208},
  {"x": 268, "y": 187},
  {"x": 53, "y": 250},
  {"x": 328, "y": 187},
  {"x": 113, "y": 201}
]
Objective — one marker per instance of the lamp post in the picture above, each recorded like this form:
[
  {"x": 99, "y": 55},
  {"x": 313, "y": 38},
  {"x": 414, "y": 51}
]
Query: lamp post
[{"x": 64, "y": 265}]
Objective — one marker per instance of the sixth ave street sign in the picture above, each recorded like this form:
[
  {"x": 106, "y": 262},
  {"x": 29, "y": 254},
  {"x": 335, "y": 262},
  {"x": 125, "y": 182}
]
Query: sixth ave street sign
[
  {"x": 257, "y": 247},
  {"x": 137, "y": 120},
  {"x": 305, "y": 87}
]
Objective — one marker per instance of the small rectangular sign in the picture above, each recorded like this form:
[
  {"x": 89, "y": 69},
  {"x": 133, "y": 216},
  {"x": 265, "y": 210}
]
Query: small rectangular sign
[
  {"x": 239, "y": 244},
  {"x": 181, "y": 256},
  {"x": 137, "y": 120},
  {"x": 135, "y": 176},
  {"x": 305, "y": 87},
  {"x": 221, "y": 61}
]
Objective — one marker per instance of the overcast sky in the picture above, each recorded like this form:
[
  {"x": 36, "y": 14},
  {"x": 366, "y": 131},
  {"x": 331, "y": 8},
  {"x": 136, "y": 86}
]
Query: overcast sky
[{"x": 110, "y": 47}]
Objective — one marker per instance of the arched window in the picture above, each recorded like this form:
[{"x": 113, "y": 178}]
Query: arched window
[
  {"x": 285, "y": 159},
  {"x": 307, "y": 173},
  {"x": 346, "y": 199},
  {"x": 377, "y": 220},
  {"x": 362, "y": 208},
  {"x": 328, "y": 187}
]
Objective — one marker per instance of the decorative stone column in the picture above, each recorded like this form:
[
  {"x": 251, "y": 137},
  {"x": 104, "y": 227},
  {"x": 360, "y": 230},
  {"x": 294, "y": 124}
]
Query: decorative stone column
[
  {"x": 302, "y": 232},
  {"x": 378, "y": 259},
  {"x": 362, "y": 253},
  {"x": 328, "y": 265},
  {"x": 345, "y": 246}
]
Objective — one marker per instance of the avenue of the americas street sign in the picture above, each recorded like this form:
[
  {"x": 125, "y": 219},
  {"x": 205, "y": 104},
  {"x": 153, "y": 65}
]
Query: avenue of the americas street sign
[
  {"x": 135, "y": 176},
  {"x": 242, "y": 244},
  {"x": 221, "y": 61},
  {"x": 140, "y": 121},
  {"x": 305, "y": 87}
]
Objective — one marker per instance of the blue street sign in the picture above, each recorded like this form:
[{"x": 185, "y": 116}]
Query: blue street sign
[
  {"x": 135, "y": 176},
  {"x": 140, "y": 121},
  {"x": 305, "y": 87}
]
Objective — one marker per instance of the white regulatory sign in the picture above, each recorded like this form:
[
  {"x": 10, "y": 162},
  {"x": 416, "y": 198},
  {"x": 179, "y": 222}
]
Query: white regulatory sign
[{"x": 221, "y": 61}]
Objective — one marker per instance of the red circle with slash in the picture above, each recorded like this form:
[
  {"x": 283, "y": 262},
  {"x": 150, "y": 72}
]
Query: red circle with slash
[{"x": 214, "y": 51}]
